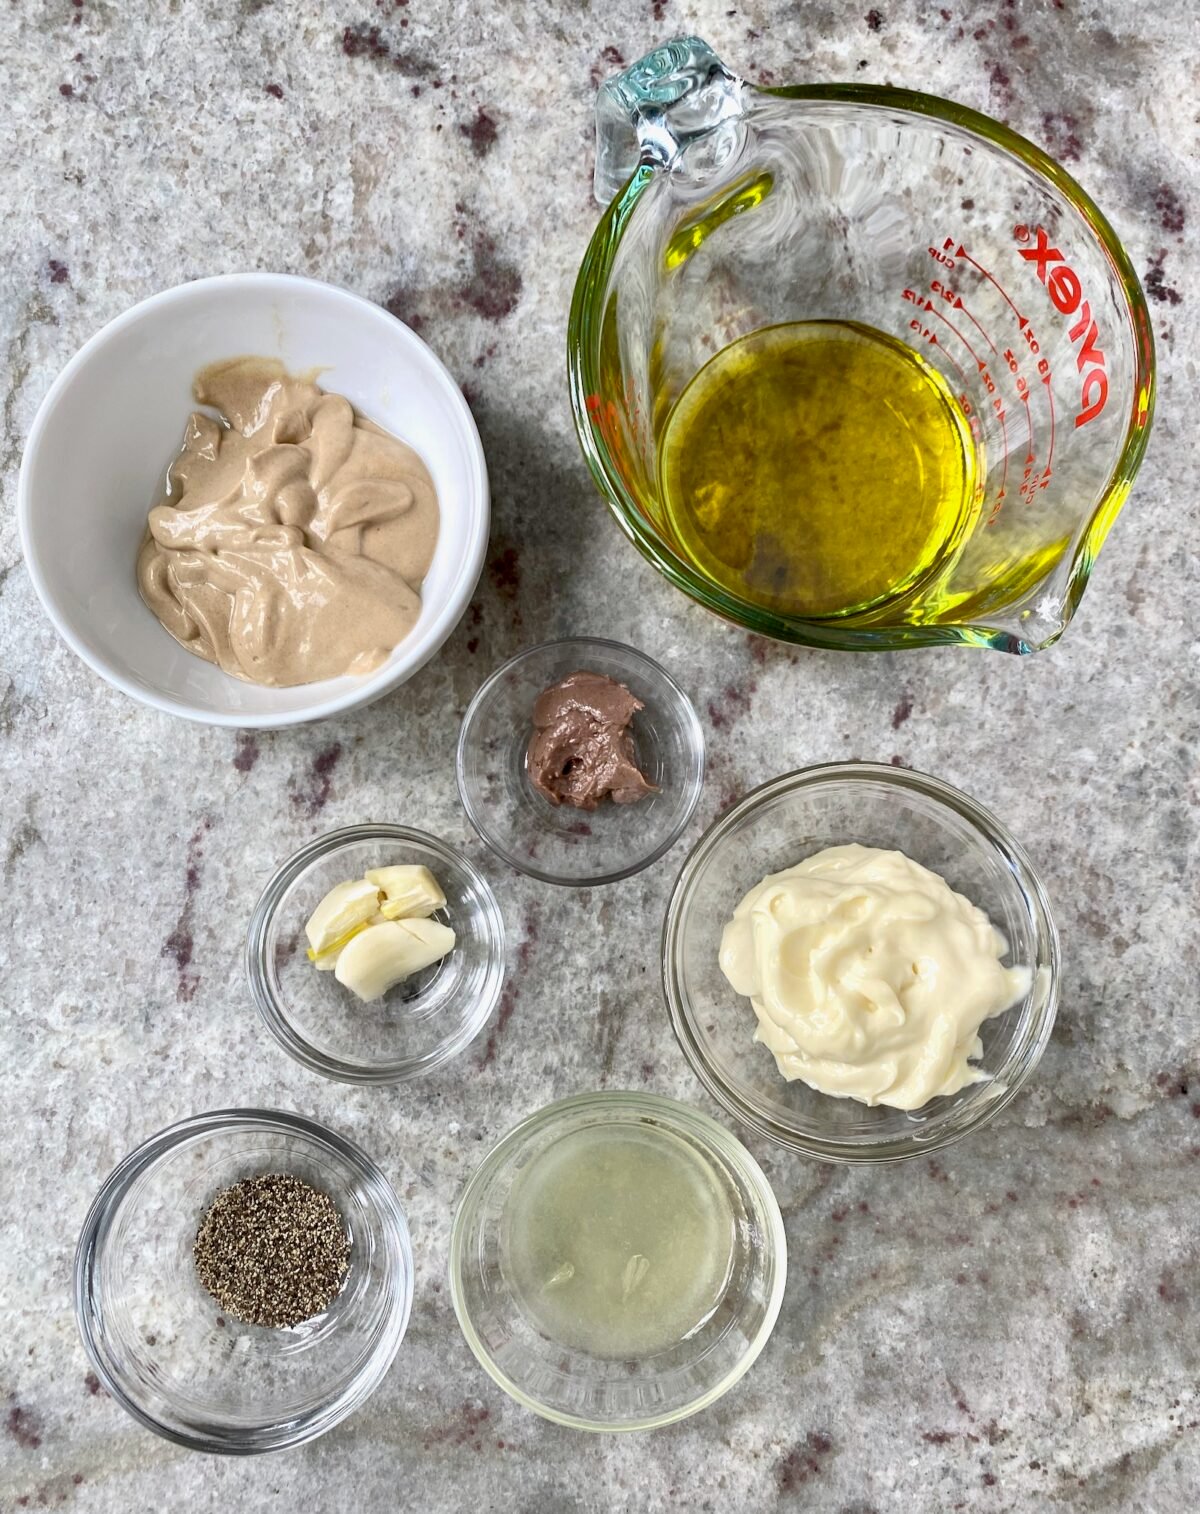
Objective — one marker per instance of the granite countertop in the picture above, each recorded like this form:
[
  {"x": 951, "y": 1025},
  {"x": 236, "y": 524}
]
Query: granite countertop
[{"x": 1013, "y": 1325}]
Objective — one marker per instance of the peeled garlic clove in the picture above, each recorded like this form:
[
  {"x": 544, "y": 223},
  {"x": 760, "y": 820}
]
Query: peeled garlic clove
[
  {"x": 379, "y": 958},
  {"x": 409, "y": 891},
  {"x": 342, "y": 908},
  {"x": 432, "y": 936}
]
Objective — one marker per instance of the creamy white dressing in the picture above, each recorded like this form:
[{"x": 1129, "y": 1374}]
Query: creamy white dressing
[{"x": 869, "y": 975}]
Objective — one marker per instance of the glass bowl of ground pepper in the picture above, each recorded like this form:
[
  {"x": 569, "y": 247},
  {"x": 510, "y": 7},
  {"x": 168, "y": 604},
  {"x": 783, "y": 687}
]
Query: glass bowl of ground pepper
[
  {"x": 243, "y": 1281},
  {"x": 580, "y": 762}
]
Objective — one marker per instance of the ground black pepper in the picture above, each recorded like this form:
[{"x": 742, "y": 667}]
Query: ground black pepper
[{"x": 272, "y": 1250}]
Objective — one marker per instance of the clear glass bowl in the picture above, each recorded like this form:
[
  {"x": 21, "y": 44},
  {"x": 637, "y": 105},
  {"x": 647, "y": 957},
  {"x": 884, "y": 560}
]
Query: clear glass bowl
[
  {"x": 420, "y": 1023},
  {"x": 775, "y": 827},
  {"x": 572, "y": 1386},
  {"x": 159, "y": 1341},
  {"x": 558, "y": 843}
]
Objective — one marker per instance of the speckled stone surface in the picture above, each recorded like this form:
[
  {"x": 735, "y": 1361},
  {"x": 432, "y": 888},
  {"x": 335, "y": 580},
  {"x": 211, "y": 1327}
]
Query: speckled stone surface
[{"x": 1015, "y": 1325}]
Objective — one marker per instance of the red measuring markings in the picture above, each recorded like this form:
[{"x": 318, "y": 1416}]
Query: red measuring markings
[
  {"x": 1022, "y": 393},
  {"x": 1031, "y": 342},
  {"x": 989, "y": 384},
  {"x": 985, "y": 376},
  {"x": 1050, "y": 453},
  {"x": 1031, "y": 479},
  {"x": 927, "y": 334},
  {"x": 929, "y": 305},
  {"x": 931, "y": 337},
  {"x": 960, "y": 306},
  {"x": 961, "y": 252},
  {"x": 946, "y": 255},
  {"x": 956, "y": 303},
  {"x": 1002, "y": 490},
  {"x": 1043, "y": 372}
]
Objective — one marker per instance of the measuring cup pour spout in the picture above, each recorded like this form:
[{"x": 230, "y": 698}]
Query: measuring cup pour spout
[
  {"x": 678, "y": 96},
  {"x": 742, "y": 223}
]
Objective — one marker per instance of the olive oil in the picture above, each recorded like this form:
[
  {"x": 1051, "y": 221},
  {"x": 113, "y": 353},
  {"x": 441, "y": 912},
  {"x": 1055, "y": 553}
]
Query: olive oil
[
  {"x": 620, "y": 1240},
  {"x": 819, "y": 469}
]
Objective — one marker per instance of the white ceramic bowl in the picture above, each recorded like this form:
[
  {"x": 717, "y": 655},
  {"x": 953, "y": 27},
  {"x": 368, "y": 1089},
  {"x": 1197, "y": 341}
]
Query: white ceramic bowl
[{"x": 114, "y": 418}]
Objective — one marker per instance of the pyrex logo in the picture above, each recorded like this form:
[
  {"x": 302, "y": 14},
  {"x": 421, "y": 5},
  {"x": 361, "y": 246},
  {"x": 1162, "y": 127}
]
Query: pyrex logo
[{"x": 1066, "y": 294}]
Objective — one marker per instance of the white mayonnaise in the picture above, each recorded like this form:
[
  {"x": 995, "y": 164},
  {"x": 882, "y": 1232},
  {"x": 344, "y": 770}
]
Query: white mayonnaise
[{"x": 869, "y": 975}]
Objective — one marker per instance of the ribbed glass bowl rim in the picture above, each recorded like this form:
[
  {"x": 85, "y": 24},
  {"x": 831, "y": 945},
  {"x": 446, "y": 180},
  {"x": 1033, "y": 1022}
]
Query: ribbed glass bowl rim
[
  {"x": 525, "y": 865},
  {"x": 670, "y": 1112},
  {"x": 279, "y": 1023},
  {"x": 95, "y": 1232},
  {"x": 990, "y": 833},
  {"x": 587, "y": 309}
]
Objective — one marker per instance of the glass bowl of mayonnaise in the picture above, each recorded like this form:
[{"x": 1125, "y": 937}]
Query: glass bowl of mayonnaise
[{"x": 860, "y": 963}]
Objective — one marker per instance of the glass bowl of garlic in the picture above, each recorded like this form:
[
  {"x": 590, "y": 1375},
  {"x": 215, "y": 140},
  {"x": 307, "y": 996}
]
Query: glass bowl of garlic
[{"x": 375, "y": 954}]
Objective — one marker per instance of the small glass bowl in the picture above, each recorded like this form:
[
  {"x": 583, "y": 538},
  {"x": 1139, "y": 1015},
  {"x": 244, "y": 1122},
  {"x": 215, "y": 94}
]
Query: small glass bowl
[
  {"x": 580, "y": 1388},
  {"x": 420, "y": 1023},
  {"x": 558, "y": 843},
  {"x": 159, "y": 1341},
  {"x": 780, "y": 824}
]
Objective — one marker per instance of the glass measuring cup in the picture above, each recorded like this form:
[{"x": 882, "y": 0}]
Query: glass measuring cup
[{"x": 733, "y": 208}]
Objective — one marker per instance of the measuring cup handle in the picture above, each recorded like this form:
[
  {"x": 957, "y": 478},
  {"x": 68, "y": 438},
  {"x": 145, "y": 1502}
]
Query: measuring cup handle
[{"x": 660, "y": 105}]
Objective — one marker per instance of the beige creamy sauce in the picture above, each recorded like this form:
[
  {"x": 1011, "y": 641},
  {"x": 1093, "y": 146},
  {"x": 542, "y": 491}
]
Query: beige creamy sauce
[{"x": 294, "y": 534}]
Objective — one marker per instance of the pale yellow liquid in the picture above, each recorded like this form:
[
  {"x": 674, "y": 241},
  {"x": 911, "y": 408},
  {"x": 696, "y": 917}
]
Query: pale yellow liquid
[
  {"x": 820, "y": 468},
  {"x": 620, "y": 1240}
]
